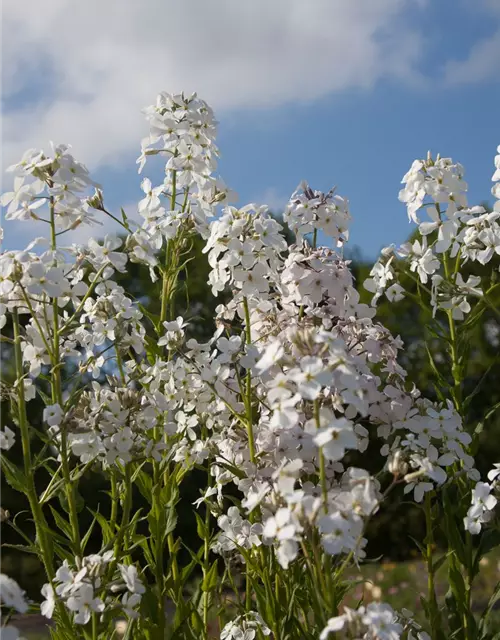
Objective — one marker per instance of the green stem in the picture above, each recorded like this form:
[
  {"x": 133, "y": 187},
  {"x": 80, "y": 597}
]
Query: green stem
[
  {"x": 206, "y": 560},
  {"x": 119, "y": 364},
  {"x": 38, "y": 516},
  {"x": 114, "y": 500},
  {"x": 57, "y": 398},
  {"x": 431, "y": 591},
  {"x": 41, "y": 526},
  {"x": 37, "y": 322},
  {"x": 87, "y": 295},
  {"x": 165, "y": 293},
  {"x": 127, "y": 506},
  {"x": 159, "y": 515},
  {"x": 94, "y": 627},
  {"x": 455, "y": 364},
  {"x": 248, "y": 399}
]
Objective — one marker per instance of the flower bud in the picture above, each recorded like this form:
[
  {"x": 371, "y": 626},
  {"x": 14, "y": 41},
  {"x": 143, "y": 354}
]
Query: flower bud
[
  {"x": 96, "y": 201},
  {"x": 397, "y": 465}
]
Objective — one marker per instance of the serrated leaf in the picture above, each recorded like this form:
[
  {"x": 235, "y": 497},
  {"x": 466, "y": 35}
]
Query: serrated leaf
[
  {"x": 14, "y": 476},
  {"x": 144, "y": 483},
  {"x": 171, "y": 522}
]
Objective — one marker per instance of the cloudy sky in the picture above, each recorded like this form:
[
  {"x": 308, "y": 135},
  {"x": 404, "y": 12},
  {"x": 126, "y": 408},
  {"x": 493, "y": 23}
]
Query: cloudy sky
[{"x": 338, "y": 92}]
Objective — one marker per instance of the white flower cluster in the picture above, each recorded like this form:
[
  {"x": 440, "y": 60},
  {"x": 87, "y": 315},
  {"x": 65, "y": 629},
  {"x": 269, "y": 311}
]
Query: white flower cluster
[
  {"x": 245, "y": 627},
  {"x": 113, "y": 426},
  {"x": 13, "y": 597},
  {"x": 483, "y": 502},
  {"x": 312, "y": 342},
  {"x": 243, "y": 250},
  {"x": 465, "y": 234},
  {"x": 84, "y": 590},
  {"x": 376, "y": 621},
  {"x": 310, "y": 211},
  {"x": 296, "y": 381},
  {"x": 58, "y": 181},
  {"x": 434, "y": 441},
  {"x": 183, "y": 130}
]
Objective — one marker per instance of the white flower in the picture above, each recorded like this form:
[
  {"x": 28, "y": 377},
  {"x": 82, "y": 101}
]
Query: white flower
[
  {"x": 11, "y": 594},
  {"x": 130, "y": 577},
  {"x": 53, "y": 415},
  {"x": 482, "y": 505},
  {"x": 271, "y": 356},
  {"x": 209, "y": 492},
  {"x": 48, "y": 605},
  {"x": 335, "y": 438},
  {"x": 422, "y": 260},
  {"x": 333, "y": 625},
  {"x": 245, "y": 628},
  {"x": 7, "y": 439},
  {"x": 104, "y": 253},
  {"x": 494, "y": 473},
  {"x": 130, "y": 603},
  {"x": 382, "y": 622},
  {"x": 252, "y": 281},
  {"x": 281, "y": 526},
  {"x": 83, "y": 603},
  {"x": 152, "y": 201},
  {"x": 311, "y": 377}
]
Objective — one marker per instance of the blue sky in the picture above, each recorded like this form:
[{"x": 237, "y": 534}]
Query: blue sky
[{"x": 345, "y": 93}]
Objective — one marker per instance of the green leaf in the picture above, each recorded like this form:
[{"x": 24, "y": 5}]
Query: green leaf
[
  {"x": 210, "y": 580},
  {"x": 439, "y": 563},
  {"x": 79, "y": 501},
  {"x": 153, "y": 524},
  {"x": 144, "y": 544},
  {"x": 442, "y": 381},
  {"x": 86, "y": 537},
  {"x": 124, "y": 216},
  {"x": 144, "y": 483},
  {"x": 22, "y": 547},
  {"x": 152, "y": 349},
  {"x": 454, "y": 618},
  {"x": 155, "y": 319},
  {"x": 14, "y": 476},
  {"x": 452, "y": 532},
  {"x": 201, "y": 528},
  {"x": 46, "y": 398},
  {"x": 188, "y": 569},
  {"x": 475, "y": 391},
  {"x": 457, "y": 585},
  {"x": 61, "y": 523},
  {"x": 171, "y": 522},
  {"x": 107, "y": 534}
]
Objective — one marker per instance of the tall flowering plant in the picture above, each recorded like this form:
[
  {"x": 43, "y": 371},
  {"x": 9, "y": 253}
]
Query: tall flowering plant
[{"x": 295, "y": 383}]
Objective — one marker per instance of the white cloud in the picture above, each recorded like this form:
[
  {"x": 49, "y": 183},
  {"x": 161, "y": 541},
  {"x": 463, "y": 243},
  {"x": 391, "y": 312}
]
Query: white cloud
[
  {"x": 481, "y": 63},
  {"x": 83, "y": 70}
]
